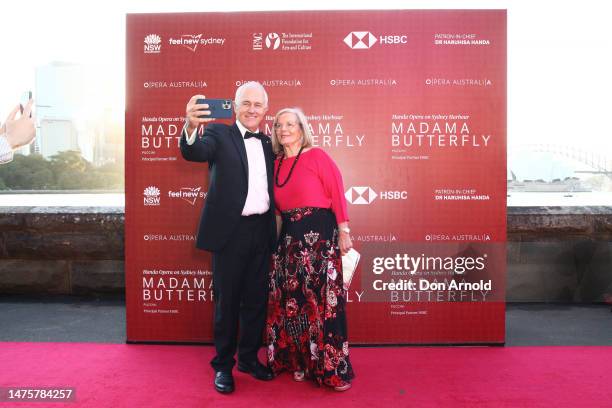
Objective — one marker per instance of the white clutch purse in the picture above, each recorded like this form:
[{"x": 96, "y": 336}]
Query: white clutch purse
[{"x": 349, "y": 265}]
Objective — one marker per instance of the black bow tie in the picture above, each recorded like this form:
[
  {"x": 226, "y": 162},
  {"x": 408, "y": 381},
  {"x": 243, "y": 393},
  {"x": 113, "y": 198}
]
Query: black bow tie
[{"x": 248, "y": 135}]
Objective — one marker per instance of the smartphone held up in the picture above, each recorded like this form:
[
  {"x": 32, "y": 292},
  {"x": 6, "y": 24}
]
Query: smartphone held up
[
  {"x": 25, "y": 98},
  {"x": 219, "y": 108}
]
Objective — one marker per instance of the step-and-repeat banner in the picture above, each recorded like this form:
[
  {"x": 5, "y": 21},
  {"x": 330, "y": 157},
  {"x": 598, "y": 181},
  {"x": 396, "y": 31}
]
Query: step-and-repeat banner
[{"x": 412, "y": 107}]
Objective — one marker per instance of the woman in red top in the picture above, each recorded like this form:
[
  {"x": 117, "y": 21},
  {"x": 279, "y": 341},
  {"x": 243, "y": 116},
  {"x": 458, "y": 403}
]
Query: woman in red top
[{"x": 306, "y": 323}]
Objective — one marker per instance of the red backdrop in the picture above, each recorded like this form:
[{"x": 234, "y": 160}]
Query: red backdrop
[{"x": 412, "y": 107}]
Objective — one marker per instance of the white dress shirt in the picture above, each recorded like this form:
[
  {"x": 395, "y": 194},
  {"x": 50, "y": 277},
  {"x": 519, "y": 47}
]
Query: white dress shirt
[{"x": 258, "y": 199}]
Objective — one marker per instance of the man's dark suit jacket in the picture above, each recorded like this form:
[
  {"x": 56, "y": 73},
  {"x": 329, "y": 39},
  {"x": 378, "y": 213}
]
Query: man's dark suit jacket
[{"x": 223, "y": 148}]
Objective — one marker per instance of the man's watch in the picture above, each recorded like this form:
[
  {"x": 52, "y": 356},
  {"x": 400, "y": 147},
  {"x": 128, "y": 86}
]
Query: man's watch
[{"x": 345, "y": 229}]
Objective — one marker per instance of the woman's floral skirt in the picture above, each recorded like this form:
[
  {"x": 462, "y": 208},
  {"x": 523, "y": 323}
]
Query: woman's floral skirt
[{"x": 306, "y": 323}]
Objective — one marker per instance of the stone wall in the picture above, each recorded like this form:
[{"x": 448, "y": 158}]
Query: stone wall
[
  {"x": 555, "y": 254},
  {"x": 559, "y": 254},
  {"x": 61, "y": 250}
]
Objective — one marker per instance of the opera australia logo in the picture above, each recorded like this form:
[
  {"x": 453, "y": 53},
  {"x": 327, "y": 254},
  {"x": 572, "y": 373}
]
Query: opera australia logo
[
  {"x": 151, "y": 196},
  {"x": 366, "y": 195},
  {"x": 152, "y": 44},
  {"x": 272, "y": 41}
]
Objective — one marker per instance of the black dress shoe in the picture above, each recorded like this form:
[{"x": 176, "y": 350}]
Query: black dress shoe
[
  {"x": 224, "y": 382},
  {"x": 257, "y": 370}
]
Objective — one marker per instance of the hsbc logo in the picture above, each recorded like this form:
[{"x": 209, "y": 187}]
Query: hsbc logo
[
  {"x": 360, "y": 40},
  {"x": 363, "y": 40},
  {"x": 360, "y": 195},
  {"x": 366, "y": 195}
]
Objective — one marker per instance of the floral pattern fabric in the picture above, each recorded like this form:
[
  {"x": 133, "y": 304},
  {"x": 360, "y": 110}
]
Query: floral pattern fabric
[{"x": 306, "y": 323}]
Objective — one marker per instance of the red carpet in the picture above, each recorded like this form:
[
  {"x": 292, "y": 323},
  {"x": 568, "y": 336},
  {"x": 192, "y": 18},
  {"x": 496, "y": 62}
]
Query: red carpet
[{"x": 113, "y": 375}]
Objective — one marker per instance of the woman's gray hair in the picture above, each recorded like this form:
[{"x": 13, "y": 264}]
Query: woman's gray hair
[
  {"x": 244, "y": 87},
  {"x": 303, "y": 123}
]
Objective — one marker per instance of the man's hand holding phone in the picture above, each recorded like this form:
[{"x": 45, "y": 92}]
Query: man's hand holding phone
[
  {"x": 201, "y": 110},
  {"x": 196, "y": 114}
]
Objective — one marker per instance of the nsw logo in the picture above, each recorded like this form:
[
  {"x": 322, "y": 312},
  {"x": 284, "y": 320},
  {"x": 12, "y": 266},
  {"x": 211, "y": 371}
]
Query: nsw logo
[
  {"x": 272, "y": 41},
  {"x": 151, "y": 196},
  {"x": 152, "y": 44}
]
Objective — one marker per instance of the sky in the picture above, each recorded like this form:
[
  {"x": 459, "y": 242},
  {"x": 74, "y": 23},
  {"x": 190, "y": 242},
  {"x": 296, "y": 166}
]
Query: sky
[{"x": 559, "y": 55}]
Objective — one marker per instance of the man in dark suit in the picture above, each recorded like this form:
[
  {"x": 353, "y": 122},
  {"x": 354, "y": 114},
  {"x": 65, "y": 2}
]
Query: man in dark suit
[{"x": 237, "y": 226}]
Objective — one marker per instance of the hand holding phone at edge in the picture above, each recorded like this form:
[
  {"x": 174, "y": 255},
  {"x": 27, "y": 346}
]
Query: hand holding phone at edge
[
  {"x": 19, "y": 131},
  {"x": 194, "y": 111}
]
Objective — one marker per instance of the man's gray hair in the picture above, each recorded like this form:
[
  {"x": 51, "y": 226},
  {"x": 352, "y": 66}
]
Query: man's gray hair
[{"x": 249, "y": 85}]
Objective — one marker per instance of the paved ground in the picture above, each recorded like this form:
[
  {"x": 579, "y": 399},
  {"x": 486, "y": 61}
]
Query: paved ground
[
  {"x": 71, "y": 319},
  {"x": 62, "y": 319}
]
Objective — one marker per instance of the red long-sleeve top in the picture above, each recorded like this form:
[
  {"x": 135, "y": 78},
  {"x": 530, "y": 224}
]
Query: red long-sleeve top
[{"x": 315, "y": 182}]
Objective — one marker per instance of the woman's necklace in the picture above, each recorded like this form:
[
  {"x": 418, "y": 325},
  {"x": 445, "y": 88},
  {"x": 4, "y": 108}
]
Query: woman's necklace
[{"x": 280, "y": 163}]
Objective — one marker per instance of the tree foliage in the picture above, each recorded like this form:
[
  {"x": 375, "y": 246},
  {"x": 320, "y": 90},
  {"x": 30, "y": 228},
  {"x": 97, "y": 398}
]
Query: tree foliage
[{"x": 64, "y": 171}]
